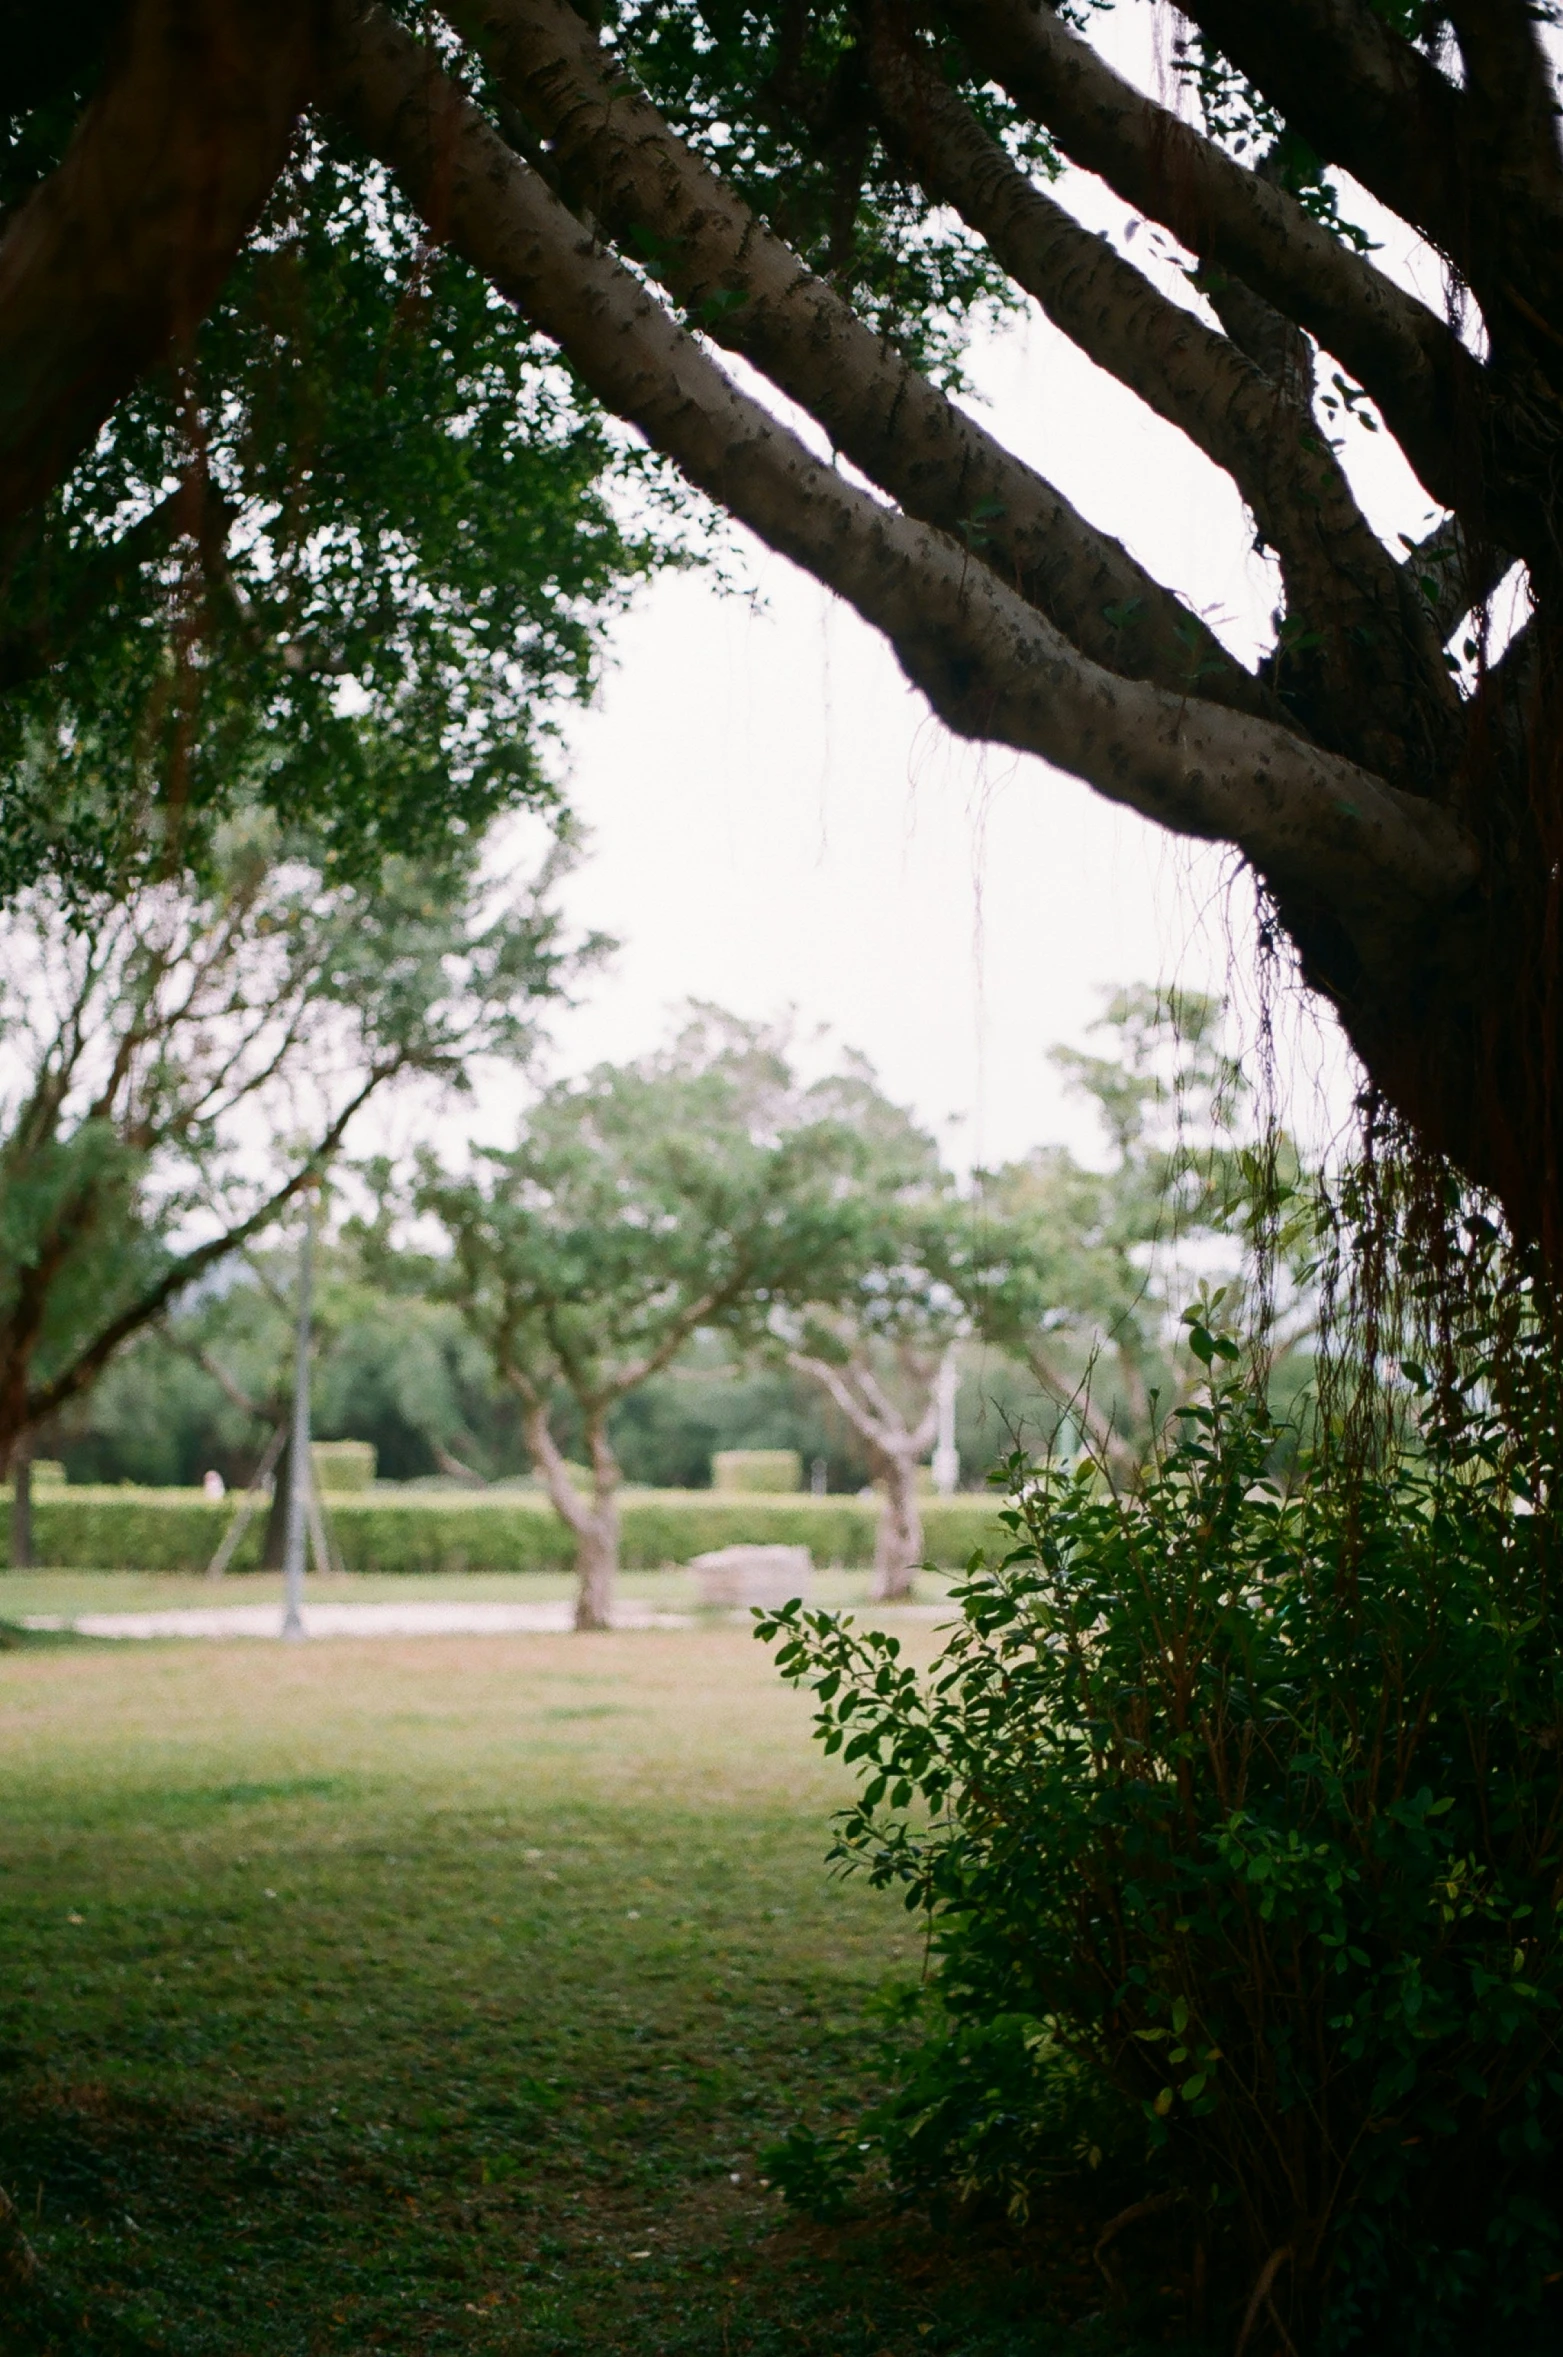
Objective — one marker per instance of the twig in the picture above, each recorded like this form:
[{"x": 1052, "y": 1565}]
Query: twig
[
  {"x": 1260, "y": 2298},
  {"x": 1149, "y": 2208}
]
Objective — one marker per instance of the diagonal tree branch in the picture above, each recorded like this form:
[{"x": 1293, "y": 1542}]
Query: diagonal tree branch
[
  {"x": 1432, "y": 391},
  {"x": 549, "y": 1459},
  {"x": 80, "y": 1371},
  {"x": 616, "y": 160},
  {"x": 990, "y": 665},
  {"x": 116, "y": 256},
  {"x": 1376, "y": 682},
  {"x": 1363, "y": 96},
  {"x": 1511, "y": 94},
  {"x": 1452, "y": 577},
  {"x": 868, "y": 1427},
  {"x": 1476, "y": 170}
]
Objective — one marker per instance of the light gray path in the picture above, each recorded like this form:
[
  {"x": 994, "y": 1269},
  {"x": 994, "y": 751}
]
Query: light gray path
[{"x": 411, "y": 1619}]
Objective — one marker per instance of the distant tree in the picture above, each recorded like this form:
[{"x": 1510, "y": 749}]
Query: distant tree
[
  {"x": 210, "y": 1382},
  {"x": 713, "y": 1398},
  {"x": 697, "y": 1188},
  {"x": 875, "y": 1339},
  {"x": 177, "y": 1062},
  {"x": 1081, "y": 1274}
]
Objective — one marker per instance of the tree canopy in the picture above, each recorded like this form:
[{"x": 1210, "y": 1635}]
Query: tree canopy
[
  {"x": 695, "y": 1189},
  {"x": 831, "y": 191},
  {"x": 341, "y": 554},
  {"x": 176, "y": 1063}
]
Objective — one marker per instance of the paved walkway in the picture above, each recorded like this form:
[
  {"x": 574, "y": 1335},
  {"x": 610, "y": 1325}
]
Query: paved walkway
[{"x": 354, "y": 1620}]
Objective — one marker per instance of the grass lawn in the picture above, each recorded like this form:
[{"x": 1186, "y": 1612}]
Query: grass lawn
[
  {"x": 439, "y": 1994},
  {"x": 673, "y": 1590}
]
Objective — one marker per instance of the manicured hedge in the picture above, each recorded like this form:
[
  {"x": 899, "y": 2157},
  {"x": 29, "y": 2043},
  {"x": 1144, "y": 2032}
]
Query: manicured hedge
[{"x": 178, "y": 1529}]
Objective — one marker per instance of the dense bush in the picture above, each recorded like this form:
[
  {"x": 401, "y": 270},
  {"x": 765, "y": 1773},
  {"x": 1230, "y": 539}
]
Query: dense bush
[
  {"x": 508, "y": 1530},
  {"x": 1238, "y": 1818}
]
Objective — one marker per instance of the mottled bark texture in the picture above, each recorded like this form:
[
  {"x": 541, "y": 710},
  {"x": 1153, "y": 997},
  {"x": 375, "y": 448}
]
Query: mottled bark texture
[
  {"x": 1407, "y": 830},
  {"x": 116, "y": 256}
]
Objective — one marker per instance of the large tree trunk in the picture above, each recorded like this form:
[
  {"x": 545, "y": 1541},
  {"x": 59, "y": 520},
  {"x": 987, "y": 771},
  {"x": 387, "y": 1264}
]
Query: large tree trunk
[
  {"x": 898, "y": 1542},
  {"x": 895, "y": 1448},
  {"x": 1410, "y": 834}
]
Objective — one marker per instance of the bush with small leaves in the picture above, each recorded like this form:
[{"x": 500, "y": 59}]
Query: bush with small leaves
[{"x": 1241, "y": 1807}]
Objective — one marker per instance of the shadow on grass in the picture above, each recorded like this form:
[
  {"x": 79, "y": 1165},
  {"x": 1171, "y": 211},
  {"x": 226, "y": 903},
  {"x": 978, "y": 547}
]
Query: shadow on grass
[
  {"x": 241, "y": 2233},
  {"x": 15, "y": 1639}
]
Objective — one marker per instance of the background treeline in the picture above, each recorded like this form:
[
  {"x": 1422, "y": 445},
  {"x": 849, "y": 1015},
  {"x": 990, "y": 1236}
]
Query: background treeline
[
  {"x": 402, "y": 1373},
  {"x": 1068, "y": 1331}
]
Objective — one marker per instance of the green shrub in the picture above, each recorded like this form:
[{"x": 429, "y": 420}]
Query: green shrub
[
  {"x": 1249, "y": 1807},
  {"x": 751, "y": 1470},
  {"x": 343, "y": 1467},
  {"x": 511, "y": 1530}
]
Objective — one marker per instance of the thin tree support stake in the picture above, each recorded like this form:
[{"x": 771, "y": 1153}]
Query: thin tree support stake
[
  {"x": 248, "y": 1505},
  {"x": 299, "y": 1466}
]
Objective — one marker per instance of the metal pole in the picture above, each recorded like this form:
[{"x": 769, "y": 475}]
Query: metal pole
[
  {"x": 298, "y": 1468},
  {"x": 946, "y": 1458}
]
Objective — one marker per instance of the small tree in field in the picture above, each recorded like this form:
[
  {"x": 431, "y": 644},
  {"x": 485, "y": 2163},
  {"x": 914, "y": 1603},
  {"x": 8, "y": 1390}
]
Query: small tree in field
[
  {"x": 876, "y": 1351},
  {"x": 156, "y": 1050},
  {"x": 875, "y": 1327},
  {"x": 697, "y": 1188}
]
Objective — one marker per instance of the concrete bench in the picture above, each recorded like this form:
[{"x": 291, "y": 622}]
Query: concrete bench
[{"x": 766, "y": 1576}]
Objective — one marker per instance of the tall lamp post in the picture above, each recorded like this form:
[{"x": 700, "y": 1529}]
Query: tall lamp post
[
  {"x": 298, "y": 1465},
  {"x": 946, "y": 1457}
]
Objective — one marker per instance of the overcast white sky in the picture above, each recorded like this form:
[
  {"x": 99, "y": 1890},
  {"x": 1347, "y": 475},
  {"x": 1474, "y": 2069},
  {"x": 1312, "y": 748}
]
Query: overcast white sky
[{"x": 777, "y": 821}]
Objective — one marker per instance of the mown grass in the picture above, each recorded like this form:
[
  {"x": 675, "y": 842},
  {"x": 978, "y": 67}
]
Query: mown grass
[
  {"x": 672, "y": 1590},
  {"x": 441, "y": 1995}
]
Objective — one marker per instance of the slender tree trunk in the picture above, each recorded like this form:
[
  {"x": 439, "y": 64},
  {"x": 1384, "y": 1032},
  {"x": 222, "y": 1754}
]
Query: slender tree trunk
[
  {"x": 597, "y": 1551},
  {"x": 595, "y": 1523},
  {"x": 898, "y": 1542},
  {"x": 21, "y": 1558},
  {"x": 895, "y": 1451},
  {"x": 274, "y": 1545},
  {"x": 597, "y": 1567}
]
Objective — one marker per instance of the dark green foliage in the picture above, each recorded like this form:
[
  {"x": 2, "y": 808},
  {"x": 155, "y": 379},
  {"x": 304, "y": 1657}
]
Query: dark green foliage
[
  {"x": 343, "y": 562},
  {"x": 1250, "y": 1805},
  {"x": 776, "y": 97}
]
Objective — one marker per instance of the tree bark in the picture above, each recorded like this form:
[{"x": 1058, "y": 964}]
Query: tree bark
[
  {"x": 898, "y": 1541},
  {"x": 595, "y": 1524},
  {"x": 597, "y": 1567},
  {"x": 1409, "y": 838},
  {"x": 115, "y": 258}
]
